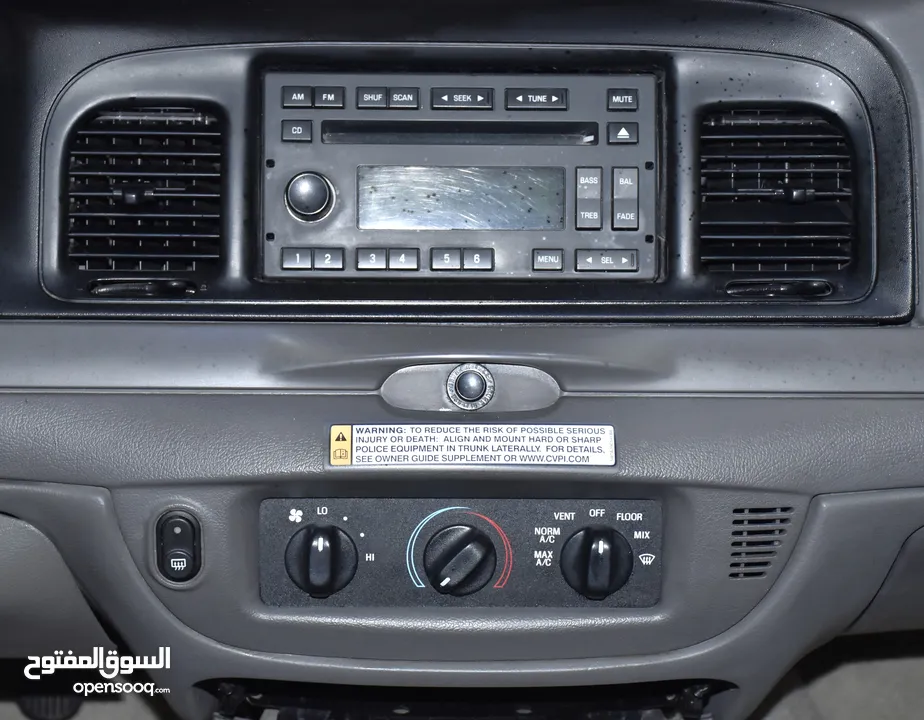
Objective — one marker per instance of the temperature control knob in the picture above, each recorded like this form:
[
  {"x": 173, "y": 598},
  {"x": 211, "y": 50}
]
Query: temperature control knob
[
  {"x": 309, "y": 196},
  {"x": 596, "y": 561},
  {"x": 459, "y": 560},
  {"x": 321, "y": 560}
]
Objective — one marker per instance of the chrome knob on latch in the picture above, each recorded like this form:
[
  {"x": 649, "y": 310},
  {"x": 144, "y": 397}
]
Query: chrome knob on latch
[{"x": 470, "y": 386}]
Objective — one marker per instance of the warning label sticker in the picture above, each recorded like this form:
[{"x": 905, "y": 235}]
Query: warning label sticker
[{"x": 471, "y": 444}]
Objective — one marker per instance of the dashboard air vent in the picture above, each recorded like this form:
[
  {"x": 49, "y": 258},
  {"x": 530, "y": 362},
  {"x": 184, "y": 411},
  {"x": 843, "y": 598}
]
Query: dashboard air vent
[
  {"x": 776, "y": 194},
  {"x": 144, "y": 195},
  {"x": 756, "y": 538}
]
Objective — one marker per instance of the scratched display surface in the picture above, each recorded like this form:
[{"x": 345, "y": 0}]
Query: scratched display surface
[{"x": 461, "y": 198}]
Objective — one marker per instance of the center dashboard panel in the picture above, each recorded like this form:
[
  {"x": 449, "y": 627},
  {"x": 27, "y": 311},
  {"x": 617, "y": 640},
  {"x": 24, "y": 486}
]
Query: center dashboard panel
[
  {"x": 460, "y": 553},
  {"x": 442, "y": 176}
]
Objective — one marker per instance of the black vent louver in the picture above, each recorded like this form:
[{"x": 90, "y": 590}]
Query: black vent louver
[
  {"x": 776, "y": 195},
  {"x": 144, "y": 195},
  {"x": 757, "y": 537}
]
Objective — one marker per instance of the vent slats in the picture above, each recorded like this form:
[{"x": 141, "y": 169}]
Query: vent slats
[
  {"x": 757, "y": 534},
  {"x": 776, "y": 194},
  {"x": 144, "y": 193}
]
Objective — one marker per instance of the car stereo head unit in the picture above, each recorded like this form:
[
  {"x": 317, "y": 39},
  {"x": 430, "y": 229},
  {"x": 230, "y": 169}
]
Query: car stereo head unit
[{"x": 460, "y": 176}]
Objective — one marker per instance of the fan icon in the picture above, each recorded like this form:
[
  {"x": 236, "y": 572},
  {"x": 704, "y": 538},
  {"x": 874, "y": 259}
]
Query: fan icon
[{"x": 295, "y": 515}]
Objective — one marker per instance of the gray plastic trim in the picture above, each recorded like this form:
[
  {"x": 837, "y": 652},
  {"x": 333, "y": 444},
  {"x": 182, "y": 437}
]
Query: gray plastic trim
[{"x": 842, "y": 558}]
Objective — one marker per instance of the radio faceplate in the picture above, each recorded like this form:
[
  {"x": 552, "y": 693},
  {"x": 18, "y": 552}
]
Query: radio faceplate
[{"x": 460, "y": 176}]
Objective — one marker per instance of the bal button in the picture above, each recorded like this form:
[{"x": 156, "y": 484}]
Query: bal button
[{"x": 471, "y": 386}]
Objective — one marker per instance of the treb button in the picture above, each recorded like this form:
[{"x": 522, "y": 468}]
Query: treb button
[{"x": 588, "y": 209}]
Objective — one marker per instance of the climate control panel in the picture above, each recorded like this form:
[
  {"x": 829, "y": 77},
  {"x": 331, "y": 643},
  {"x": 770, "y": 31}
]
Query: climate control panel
[{"x": 412, "y": 552}]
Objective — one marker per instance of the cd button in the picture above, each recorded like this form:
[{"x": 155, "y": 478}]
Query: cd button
[
  {"x": 371, "y": 259},
  {"x": 478, "y": 259},
  {"x": 621, "y": 99},
  {"x": 403, "y": 259},
  {"x": 548, "y": 260},
  {"x": 403, "y": 98},
  {"x": 296, "y": 96},
  {"x": 329, "y": 97},
  {"x": 296, "y": 130},
  {"x": 537, "y": 99},
  {"x": 462, "y": 98},
  {"x": 445, "y": 259},
  {"x": 368, "y": 98}
]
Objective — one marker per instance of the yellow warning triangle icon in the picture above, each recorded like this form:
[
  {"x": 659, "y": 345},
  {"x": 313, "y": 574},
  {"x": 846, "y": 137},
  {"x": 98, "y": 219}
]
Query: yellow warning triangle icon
[{"x": 341, "y": 438}]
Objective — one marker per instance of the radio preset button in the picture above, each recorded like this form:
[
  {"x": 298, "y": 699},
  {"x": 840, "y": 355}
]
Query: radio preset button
[
  {"x": 589, "y": 207},
  {"x": 445, "y": 259},
  {"x": 371, "y": 259},
  {"x": 478, "y": 259},
  {"x": 329, "y": 97},
  {"x": 296, "y": 96},
  {"x": 548, "y": 260},
  {"x": 606, "y": 261},
  {"x": 625, "y": 198},
  {"x": 621, "y": 99},
  {"x": 622, "y": 133},
  {"x": 462, "y": 98},
  {"x": 296, "y": 258},
  {"x": 404, "y": 98},
  {"x": 371, "y": 98},
  {"x": 403, "y": 259},
  {"x": 296, "y": 130},
  {"x": 537, "y": 99},
  {"x": 328, "y": 258}
]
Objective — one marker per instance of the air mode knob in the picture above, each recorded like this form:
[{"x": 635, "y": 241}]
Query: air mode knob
[
  {"x": 596, "y": 561},
  {"x": 459, "y": 560},
  {"x": 309, "y": 196},
  {"x": 321, "y": 560}
]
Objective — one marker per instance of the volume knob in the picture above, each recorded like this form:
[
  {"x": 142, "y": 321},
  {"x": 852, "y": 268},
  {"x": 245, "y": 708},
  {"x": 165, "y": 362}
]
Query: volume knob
[{"x": 309, "y": 196}]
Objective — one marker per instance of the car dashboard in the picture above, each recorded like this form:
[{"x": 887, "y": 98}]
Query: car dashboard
[{"x": 401, "y": 360}]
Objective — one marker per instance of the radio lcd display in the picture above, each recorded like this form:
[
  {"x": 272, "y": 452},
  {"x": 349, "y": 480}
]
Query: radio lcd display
[{"x": 395, "y": 197}]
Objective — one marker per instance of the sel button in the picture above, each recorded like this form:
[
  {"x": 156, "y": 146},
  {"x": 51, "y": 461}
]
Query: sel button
[{"x": 606, "y": 261}]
